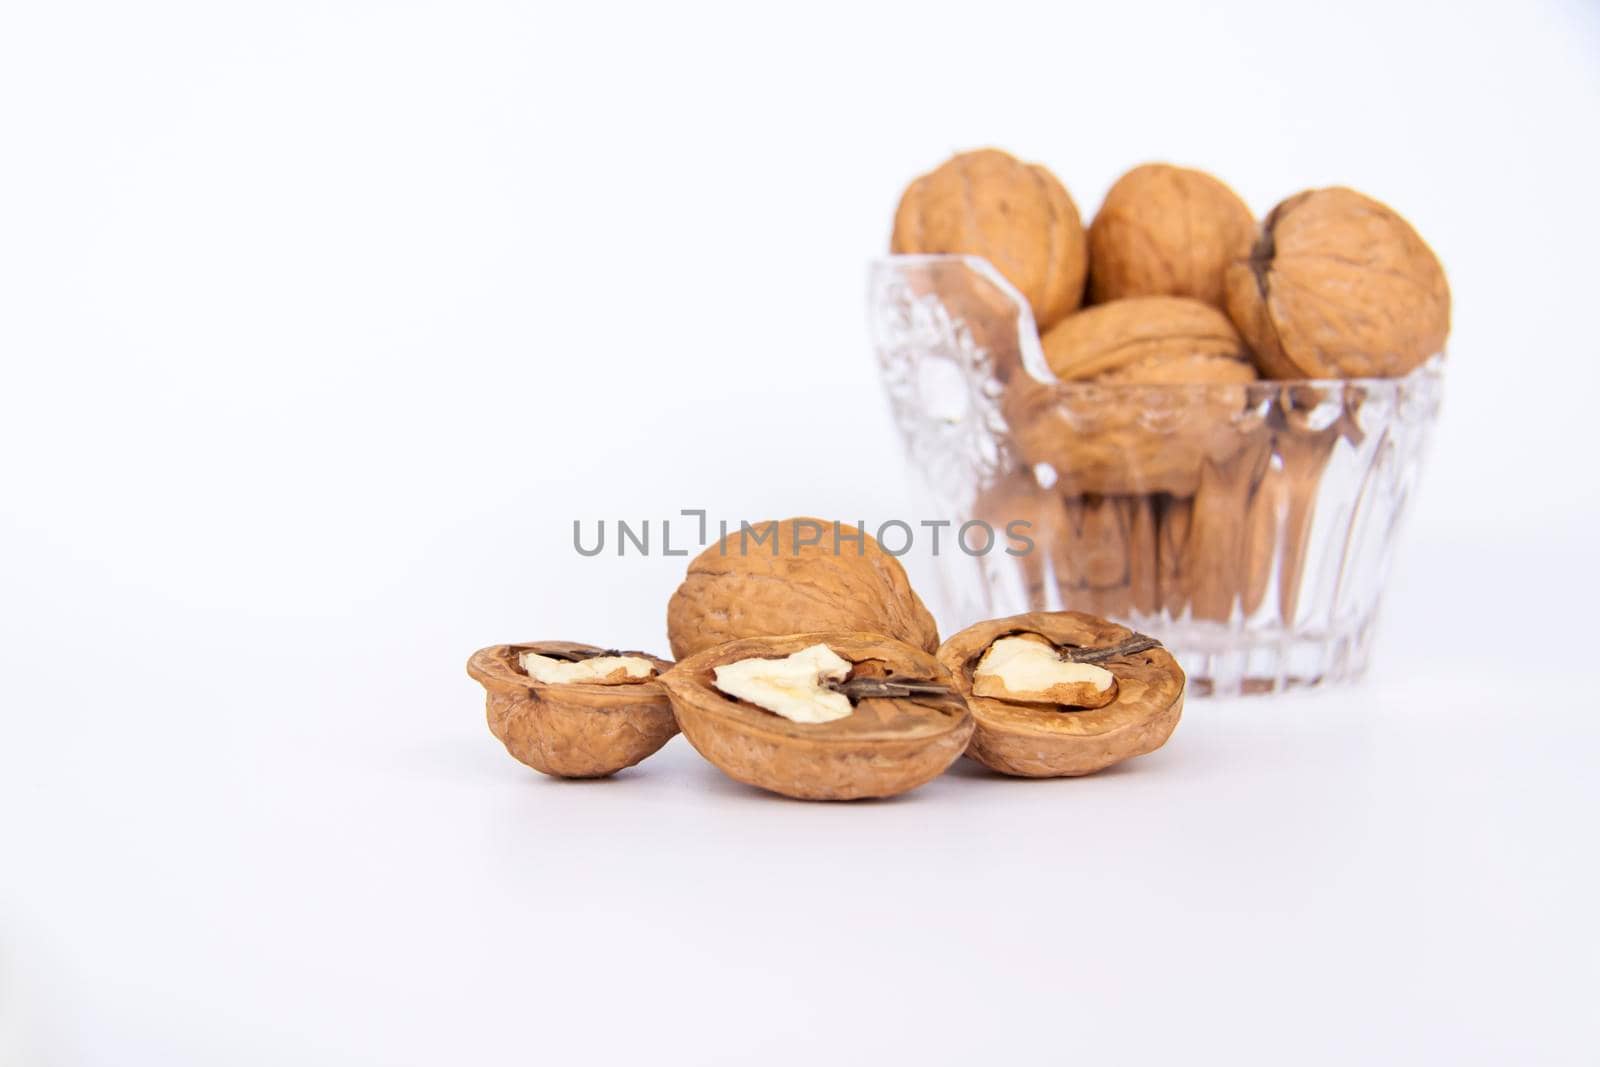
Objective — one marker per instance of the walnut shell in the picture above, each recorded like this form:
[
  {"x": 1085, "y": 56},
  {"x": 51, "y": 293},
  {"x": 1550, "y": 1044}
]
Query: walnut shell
[
  {"x": 1150, "y": 339},
  {"x": 1216, "y": 562},
  {"x": 578, "y": 730},
  {"x": 1017, "y": 497},
  {"x": 1090, "y": 553},
  {"x": 1115, "y": 428},
  {"x": 1128, "y": 440},
  {"x": 1110, "y": 545},
  {"x": 1014, "y": 214},
  {"x": 1167, "y": 231},
  {"x": 1339, "y": 286},
  {"x": 885, "y": 747},
  {"x": 768, "y": 583},
  {"x": 1038, "y": 741}
]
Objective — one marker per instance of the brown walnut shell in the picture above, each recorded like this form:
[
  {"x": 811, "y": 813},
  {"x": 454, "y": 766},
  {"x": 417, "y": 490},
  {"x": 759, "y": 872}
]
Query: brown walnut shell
[
  {"x": 1088, "y": 553},
  {"x": 885, "y": 747},
  {"x": 1167, "y": 231},
  {"x": 1126, "y": 440},
  {"x": 1110, "y": 546},
  {"x": 576, "y": 730},
  {"x": 770, "y": 582},
  {"x": 1040, "y": 741},
  {"x": 1150, "y": 339},
  {"x": 1015, "y": 215},
  {"x": 1116, "y": 427},
  {"x": 1339, "y": 286},
  {"x": 1042, "y": 558}
]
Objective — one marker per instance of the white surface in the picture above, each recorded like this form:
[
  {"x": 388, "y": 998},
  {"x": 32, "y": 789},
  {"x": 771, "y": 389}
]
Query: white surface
[{"x": 319, "y": 323}]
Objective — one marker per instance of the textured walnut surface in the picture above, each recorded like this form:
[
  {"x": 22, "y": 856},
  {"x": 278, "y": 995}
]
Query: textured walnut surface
[
  {"x": 1110, "y": 425},
  {"x": 579, "y": 730},
  {"x": 1128, "y": 438},
  {"x": 1040, "y": 740},
  {"x": 1014, "y": 214},
  {"x": 1149, "y": 339},
  {"x": 1167, "y": 231},
  {"x": 886, "y": 746},
  {"x": 741, "y": 588},
  {"x": 1339, "y": 286}
]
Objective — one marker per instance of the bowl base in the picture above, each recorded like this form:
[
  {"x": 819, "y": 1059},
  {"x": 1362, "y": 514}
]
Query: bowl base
[{"x": 1225, "y": 660}]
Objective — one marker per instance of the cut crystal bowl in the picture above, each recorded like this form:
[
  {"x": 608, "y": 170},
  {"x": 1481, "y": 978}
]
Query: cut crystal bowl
[{"x": 1248, "y": 526}]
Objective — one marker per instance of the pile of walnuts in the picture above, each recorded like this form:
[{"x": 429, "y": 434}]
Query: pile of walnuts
[
  {"x": 811, "y": 668},
  {"x": 1181, "y": 284}
]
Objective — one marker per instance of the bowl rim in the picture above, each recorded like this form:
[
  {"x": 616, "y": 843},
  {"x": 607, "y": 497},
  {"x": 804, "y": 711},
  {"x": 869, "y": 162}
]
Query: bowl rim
[{"x": 1032, "y": 352}]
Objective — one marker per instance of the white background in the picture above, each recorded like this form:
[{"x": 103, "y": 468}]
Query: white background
[{"x": 319, "y": 325}]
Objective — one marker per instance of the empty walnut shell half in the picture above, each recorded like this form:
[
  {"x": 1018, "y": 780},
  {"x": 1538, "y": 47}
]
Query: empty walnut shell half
[
  {"x": 1015, "y": 215},
  {"x": 1167, "y": 231},
  {"x": 578, "y": 729},
  {"x": 1339, "y": 286},
  {"x": 885, "y": 746},
  {"x": 1040, "y": 740},
  {"x": 792, "y": 576}
]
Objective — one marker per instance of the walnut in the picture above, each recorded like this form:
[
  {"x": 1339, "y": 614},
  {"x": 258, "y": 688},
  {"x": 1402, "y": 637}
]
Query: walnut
[
  {"x": 1091, "y": 553},
  {"x": 1015, "y": 215},
  {"x": 794, "y": 576},
  {"x": 1167, "y": 231},
  {"x": 1150, "y": 339},
  {"x": 1016, "y": 497},
  {"x": 1036, "y": 739},
  {"x": 822, "y": 716},
  {"x": 1217, "y": 560},
  {"x": 1109, "y": 545},
  {"x": 575, "y": 711},
  {"x": 1100, "y": 431},
  {"x": 1339, "y": 286}
]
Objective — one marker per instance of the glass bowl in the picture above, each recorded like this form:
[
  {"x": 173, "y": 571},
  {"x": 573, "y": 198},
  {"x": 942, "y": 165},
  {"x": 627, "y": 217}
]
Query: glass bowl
[{"x": 1248, "y": 526}]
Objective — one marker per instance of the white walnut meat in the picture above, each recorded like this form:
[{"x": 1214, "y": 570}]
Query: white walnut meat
[
  {"x": 1016, "y": 215},
  {"x": 1167, "y": 231},
  {"x": 798, "y": 686},
  {"x": 602, "y": 669},
  {"x": 1339, "y": 286},
  {"x": 906, "y": 724},
  {"x": 785, "y": 577},
  {"x": 1030, "y": 669},
  {"x": 1035, "y": 739},
  {"x": 569, "y": 720}
]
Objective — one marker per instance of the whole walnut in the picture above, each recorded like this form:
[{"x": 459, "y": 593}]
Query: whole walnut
[
  {"x": 1151, "y": 339},
  {"x": 1110, "y": 425},
  {"x": 794, "y": 576},
  {"x": 1167, "y": 231},
  {"x": 1014, "y": 214},
  {"x": 1339, "y": 286}
]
